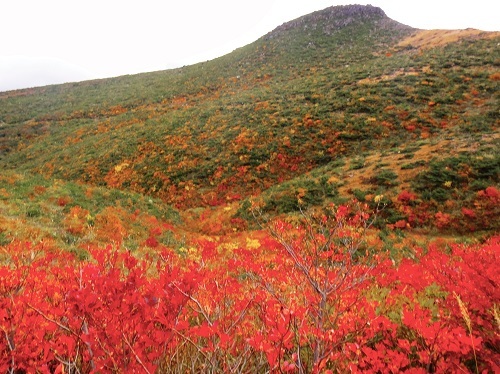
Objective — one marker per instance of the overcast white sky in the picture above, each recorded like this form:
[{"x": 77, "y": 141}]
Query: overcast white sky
[{"x": 54, "y": 41}]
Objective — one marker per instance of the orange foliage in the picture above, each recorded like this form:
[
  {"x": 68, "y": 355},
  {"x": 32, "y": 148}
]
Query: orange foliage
[
  {"x": 76, "y": 220},
  {"x": 111, "y": 225},
  {"x": 495, "y": 77}
]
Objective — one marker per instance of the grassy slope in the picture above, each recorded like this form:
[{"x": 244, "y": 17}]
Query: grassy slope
[{"x": 340, "y": 102}]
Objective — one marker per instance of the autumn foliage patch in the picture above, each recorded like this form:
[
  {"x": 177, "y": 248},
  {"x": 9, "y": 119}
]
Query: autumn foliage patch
[{"x": 311, "y": 296}]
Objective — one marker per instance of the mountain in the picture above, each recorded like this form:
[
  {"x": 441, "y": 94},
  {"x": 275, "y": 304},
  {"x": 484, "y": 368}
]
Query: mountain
[
  {"x": 325, "y": 199},
  {"x": 342, "y": 102}
]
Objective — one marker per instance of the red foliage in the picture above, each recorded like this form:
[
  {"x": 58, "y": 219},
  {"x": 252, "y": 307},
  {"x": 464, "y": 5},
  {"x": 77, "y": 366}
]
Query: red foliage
[
  {"x": 101, "y": 315},
  {"x": 151, "y": 242},
  {"x": 312, "y": 299},
  {"x": 401, "y": 224},
  {"x": 442, "y": 220},
  {"x": 406, "y": 196},
  {"x": 440, "y": 336},
  {"x": 63, "y": 200},
  {"x": 469, "y": 213},
  {"x": 490, "y": 193}
]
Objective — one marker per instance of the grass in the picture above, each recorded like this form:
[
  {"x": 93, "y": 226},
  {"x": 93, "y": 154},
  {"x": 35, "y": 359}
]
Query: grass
[{"x": 36, "y": 208}]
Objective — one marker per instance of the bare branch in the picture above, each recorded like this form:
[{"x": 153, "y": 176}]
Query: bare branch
[{"x": 138, "y": 359}]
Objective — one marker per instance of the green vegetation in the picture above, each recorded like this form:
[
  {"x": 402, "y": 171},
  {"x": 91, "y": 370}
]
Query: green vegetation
[
  {"x": 454, "y": 177},
  {"x": 40, "y": 208}
]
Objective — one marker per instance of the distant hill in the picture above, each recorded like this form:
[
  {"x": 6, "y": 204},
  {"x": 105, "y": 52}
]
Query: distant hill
[{"x": 339, "y": 103}]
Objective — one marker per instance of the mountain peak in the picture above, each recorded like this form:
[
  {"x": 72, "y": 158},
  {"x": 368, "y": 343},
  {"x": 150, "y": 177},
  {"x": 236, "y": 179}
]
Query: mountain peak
[{"x": 331, "y": 19}]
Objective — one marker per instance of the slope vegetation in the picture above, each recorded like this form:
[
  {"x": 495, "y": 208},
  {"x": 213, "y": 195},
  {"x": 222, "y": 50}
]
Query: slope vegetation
[{"x": 339, "y": 103}]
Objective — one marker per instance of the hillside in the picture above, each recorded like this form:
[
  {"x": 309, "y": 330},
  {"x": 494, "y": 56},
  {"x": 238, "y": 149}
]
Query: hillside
[
  {"x": 341, "y": 85},
  {"x": 346, "y": 90},
  {"x": 325, "y": 199}
]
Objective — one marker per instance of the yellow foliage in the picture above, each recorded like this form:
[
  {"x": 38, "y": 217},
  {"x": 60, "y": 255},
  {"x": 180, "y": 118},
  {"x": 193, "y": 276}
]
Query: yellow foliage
[
  {"x": 333, "y": 179},
  {"x": 191, "y": 252},
  {"x": 227, "y": 247},
  {"x": 301, "y": 192},
  {"x": 122, "y": 166},
  {"x": 253, "y": 243}
]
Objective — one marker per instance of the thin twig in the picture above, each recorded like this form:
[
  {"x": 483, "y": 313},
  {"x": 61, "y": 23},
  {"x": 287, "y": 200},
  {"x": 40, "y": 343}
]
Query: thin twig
[{"x": 138, "y": 359}]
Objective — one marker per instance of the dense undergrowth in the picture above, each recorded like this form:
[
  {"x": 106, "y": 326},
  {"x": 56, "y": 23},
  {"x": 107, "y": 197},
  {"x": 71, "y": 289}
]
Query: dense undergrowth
[{"x": 319, "y": 296}]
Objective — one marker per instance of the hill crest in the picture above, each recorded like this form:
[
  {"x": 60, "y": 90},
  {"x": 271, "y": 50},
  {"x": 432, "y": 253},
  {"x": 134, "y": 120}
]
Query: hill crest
[{"x": 330, "y": 19}]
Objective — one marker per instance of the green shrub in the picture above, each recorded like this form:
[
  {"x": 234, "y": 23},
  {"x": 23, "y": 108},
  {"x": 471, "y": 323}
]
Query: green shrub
[
  {"x": 413, "y": 165},
  {"x": 438, "y": 194},
  {"x": 357, "y": 163},
  {"x": 467, "y": 171},
  {"x": 4, "y": 240},
  {"x": 385, "y": 177},
  {"x": 33, "y": 211}
]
